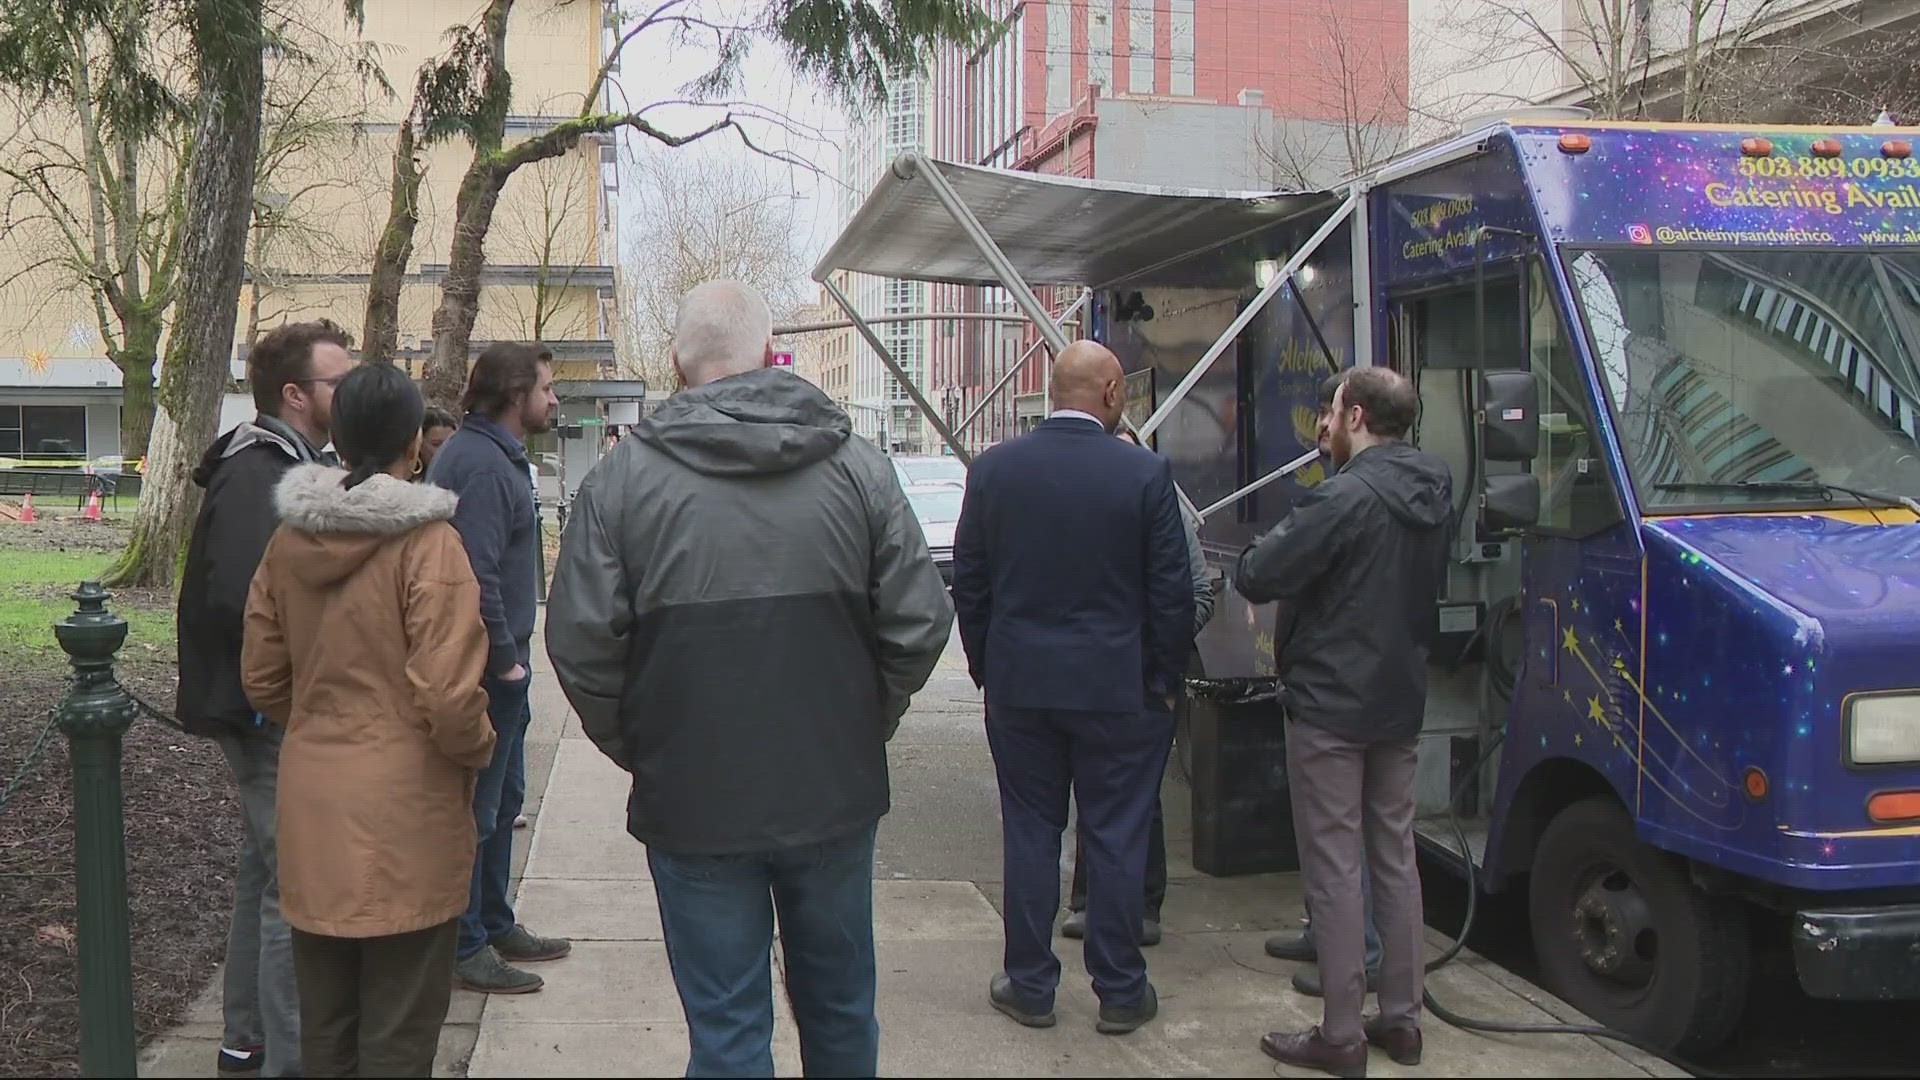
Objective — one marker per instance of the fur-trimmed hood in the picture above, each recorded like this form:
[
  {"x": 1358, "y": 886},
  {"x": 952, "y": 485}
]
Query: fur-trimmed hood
[{"x": 337, "y": 529}]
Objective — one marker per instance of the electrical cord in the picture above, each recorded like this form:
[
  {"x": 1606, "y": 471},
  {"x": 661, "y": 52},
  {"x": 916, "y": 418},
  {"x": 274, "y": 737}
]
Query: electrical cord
[{"x": 1593, "y": 1031}]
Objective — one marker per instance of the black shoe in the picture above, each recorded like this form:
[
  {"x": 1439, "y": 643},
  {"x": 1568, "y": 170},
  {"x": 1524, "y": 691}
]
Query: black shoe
[
  {"x": 1307, "y": 1050},
  {"x": 1005, "y": 998},
  {"x": 1120, "y": 1019},
  {"x": 1296, "y": 947},
  {"x": 1075, "y": 927},
  {"x": 243, "y": 1062},
  {"x": 1308, "y": 983}
]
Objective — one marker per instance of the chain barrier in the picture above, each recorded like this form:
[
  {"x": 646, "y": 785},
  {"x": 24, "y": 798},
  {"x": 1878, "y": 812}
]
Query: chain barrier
[
  {"x": 29, "y": 764},
  {"x": 154, "y": 712}
]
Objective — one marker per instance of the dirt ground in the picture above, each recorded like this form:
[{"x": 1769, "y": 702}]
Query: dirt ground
[{"x": 182, "y": 828}]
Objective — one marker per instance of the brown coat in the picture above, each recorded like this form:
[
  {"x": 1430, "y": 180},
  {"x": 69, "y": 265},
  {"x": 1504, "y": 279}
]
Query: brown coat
[{"x": 364, "y": 640}]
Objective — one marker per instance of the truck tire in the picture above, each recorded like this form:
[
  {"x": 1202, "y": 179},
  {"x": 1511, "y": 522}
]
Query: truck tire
[{"x": 1622, "y": 935}]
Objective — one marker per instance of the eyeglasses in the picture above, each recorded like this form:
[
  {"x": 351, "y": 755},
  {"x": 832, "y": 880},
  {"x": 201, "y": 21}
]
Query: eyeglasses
[{"x": 333, "y": 382}]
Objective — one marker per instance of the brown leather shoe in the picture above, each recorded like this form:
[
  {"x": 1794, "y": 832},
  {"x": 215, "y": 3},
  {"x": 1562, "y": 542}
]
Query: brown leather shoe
[
  {"x": 1402, "y": 1044},
  {"x": 1307, "y": 1050}
]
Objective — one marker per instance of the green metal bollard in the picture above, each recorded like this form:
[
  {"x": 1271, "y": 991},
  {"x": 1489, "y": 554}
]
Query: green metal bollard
[{"x": 95, "y": 717}]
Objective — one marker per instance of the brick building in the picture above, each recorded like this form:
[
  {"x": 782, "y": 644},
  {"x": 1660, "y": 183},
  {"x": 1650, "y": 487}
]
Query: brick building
[{"x": 1223, "y": 94}]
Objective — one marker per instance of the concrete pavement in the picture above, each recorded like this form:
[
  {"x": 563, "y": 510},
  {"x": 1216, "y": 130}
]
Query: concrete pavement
[{"x": 610, "y": 1009}]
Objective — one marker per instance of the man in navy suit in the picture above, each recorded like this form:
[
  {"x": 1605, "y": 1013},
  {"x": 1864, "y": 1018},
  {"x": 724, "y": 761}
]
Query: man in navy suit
[{"x": 1075, "y": 603}]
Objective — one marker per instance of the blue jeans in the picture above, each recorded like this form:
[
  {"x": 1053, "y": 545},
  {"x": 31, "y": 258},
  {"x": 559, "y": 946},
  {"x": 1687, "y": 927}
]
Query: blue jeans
[
  {"x": 498, "y": 796},
  {"x": 718, "y": 913},
  {"x": 259, "y": 999}
]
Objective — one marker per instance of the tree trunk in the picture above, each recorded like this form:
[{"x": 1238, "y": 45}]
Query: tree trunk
[
  {"x": 136, "y": 361},
  {"x": 228, "y": 73},
  {"x": 460, "y": 295},
  {"x": 379, "y": 336}
]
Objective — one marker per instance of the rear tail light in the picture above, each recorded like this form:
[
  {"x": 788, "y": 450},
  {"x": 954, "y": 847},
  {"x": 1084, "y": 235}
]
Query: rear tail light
[{"x": 1891, "y": 806}]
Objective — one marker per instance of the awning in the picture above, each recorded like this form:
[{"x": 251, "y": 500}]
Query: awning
[{"x": 1055, "y": 230}]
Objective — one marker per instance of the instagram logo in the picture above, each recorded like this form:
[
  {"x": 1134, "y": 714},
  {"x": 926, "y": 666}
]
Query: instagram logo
[{"x": 1639, "y": 234}]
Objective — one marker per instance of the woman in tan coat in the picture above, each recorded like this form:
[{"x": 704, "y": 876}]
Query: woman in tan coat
[{"x": 364, "y": 640}]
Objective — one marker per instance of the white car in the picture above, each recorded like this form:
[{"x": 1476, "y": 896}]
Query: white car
[
  {"x": 937, "y": 506},
  {"x": 929, "y": 470}
]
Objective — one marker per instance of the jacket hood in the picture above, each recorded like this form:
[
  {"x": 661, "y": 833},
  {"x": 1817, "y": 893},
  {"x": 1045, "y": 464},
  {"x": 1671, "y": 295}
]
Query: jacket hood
[
  {"x": 1415, "y": 486},
  {"x": 765, "y": 421},
  {"x": 261, "y": 430},
  {"x": 334, "y": 530}
]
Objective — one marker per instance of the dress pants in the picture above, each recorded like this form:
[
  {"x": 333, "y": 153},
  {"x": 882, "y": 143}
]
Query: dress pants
[
  {"x": 1110, "y": 765},
  {"x": 1156, "y": 868},
  {"x": 374, "y": 1006},
  {"x": 1353, "y": 806}
]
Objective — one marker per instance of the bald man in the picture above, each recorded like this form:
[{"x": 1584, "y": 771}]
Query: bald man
[{"x": 1075, "y": 603}]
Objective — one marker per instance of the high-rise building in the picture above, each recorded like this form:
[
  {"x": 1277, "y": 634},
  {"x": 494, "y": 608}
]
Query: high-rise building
[
  {"x": 1232, "y": 94},
  {"x": 879, "y": 407}
]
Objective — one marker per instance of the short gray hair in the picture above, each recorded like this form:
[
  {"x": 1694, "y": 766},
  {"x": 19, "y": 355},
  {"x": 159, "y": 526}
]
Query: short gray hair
[{"x": 722, "y": 329}]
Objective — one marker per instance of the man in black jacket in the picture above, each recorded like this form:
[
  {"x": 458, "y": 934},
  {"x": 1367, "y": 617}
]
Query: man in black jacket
[
  {"x": 743, "y": 608},
  {"x": 1357, "y": 568},
  {"x": 293, "y": 371},
  {"x": 509, "y": 396}
]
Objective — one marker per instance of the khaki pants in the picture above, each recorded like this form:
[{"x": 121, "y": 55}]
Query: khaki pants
[
  {"x": 374, "y": 1006},
  {"x": 1353, "y": 805}
]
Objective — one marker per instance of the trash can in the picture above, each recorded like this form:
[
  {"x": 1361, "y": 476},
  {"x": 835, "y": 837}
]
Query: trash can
[{"x": 1242, "y": 814}]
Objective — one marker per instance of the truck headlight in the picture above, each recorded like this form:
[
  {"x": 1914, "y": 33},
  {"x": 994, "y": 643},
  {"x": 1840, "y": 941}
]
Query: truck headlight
[{"x": 1883, "y": 729}]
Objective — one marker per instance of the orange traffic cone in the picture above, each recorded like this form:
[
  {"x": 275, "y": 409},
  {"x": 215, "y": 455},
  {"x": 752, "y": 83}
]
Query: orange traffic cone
[
  {"x": 92, "y": 513},
  {"x": 26, "y": 509}
]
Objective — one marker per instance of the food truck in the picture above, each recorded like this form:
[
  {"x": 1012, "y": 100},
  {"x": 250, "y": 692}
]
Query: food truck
[{"x": 1675, "y": 370}]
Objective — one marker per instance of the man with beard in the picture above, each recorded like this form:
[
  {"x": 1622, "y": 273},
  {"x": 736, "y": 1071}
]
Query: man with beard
[{"x": 509, "y": 396}]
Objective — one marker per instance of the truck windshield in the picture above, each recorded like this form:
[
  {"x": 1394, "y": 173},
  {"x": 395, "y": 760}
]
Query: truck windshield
[{"x": 1759, "y": 379}]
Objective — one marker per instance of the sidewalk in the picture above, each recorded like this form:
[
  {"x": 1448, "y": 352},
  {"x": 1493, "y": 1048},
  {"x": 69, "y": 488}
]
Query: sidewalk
[{"x": 610, "y": 1009}]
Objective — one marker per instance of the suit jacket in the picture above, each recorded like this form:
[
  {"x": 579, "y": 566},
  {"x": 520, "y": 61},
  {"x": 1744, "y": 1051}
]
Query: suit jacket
[{"x": 1070, "y": 573}]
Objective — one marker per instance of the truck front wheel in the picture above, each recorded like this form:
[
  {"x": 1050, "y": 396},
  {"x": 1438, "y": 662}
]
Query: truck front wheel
[{"x": 1623, "y": 936}]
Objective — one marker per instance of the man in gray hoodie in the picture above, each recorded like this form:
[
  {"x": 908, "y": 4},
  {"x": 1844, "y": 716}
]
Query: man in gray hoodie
[{"x": 742, "y": 608}]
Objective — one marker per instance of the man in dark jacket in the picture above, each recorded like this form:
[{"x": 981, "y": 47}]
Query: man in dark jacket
[
  {"x": 292, "y": 371},
  {"x": 509, "y": 396},
  {"x": 742, "y": 609},
  {"x": 1357, "y": 568},
  {"x": 1075, "y": 598}
]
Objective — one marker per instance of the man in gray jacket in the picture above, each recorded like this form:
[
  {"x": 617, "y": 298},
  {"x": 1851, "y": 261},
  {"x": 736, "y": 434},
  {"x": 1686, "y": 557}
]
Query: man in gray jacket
[{"x": 742, "y": 527}]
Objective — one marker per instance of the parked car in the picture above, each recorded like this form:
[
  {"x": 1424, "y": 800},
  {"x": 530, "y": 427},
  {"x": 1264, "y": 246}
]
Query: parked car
[
  {"x": 930, "y": 470},
  {"x": 937, "y": 506}
]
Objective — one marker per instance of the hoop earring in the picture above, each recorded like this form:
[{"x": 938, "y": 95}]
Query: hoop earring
[{"x": 418, "y": 467}]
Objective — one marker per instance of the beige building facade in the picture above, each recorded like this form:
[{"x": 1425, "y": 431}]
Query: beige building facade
[{"x": 322, "y": 203}]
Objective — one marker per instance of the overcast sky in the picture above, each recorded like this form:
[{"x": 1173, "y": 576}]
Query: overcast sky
[{"x": 656, "y": 69}]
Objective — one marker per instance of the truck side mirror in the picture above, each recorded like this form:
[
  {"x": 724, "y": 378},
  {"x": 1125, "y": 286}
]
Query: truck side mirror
[
  {"x": 1511, "y": 430},
  {"x": 1510, "y": 502}
]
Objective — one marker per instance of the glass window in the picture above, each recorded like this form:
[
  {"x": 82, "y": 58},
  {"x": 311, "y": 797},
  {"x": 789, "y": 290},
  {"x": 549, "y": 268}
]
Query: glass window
[
  {"x": 53, "y": 431},
  {"x": 1139, "y": 47},
  {"x": 1576, "y": 492},
  {"x": 936, "y": 503},
  {"x": 10, "y": 431},
  {"x": 1757, "y": 379}
]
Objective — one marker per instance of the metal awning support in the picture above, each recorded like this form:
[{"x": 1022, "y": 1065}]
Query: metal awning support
[
  {"x": 1232, "y": 332},
  {"x": 1065, "y": 317},
  {"x": 1288, "y": 469},
  {"x": 918, "y": 165},
  {"x": 893, "y": 365}
]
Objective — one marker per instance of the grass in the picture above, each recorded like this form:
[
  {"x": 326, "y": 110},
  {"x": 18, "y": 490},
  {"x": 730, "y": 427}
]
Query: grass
[{"x": 33, "y": 588}]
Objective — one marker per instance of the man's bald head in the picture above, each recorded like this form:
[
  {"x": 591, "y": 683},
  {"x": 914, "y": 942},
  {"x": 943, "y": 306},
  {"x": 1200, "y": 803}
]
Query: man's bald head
[{"x": 1087, "y": 377}]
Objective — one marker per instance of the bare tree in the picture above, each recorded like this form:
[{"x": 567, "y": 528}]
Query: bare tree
[
  {"x": 1362, "y": 87},
  {"x": 700, "y": 220},
  {"x": 847, "y": 45},
  {"x": 550, "y": 228},
  {"x": 1686, "y": 60}
]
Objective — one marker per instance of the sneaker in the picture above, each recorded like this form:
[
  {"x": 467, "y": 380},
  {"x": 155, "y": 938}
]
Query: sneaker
[
  {"x": 484, "y": 972},
  {"x": 1002, "y": 996},
  {"x": 520, "y": 822},
  {"x": 1149, "y": 933},
  {"x": 240, "y": 1062},
  {"x": 522, "y": 946}
]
